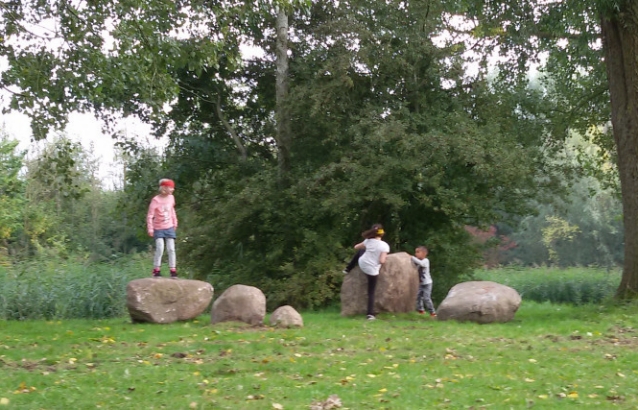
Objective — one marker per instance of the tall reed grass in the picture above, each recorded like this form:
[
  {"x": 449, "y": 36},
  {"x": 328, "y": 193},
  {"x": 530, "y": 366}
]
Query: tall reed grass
[
  {"x": 65, "y": 289},
  {"x": 68, "y": 289},
  {"x": 576, "y": 286}
]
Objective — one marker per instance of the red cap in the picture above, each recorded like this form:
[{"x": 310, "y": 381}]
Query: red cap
[{"x": 168, "y": 182}]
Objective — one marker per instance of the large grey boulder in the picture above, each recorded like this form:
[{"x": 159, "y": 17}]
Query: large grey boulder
[
  {"x": 396, "y": 291},
  {"x": 286, "y": 316},
  {"x": 480, "y": 302},
  {"x": 163, "y": 300},
  {"x": 240, "y": 303}
]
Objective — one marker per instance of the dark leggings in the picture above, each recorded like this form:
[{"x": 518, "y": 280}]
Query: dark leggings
[
  {"x": 372, "y": 286},
  {"x": 372, "y": 280},
  {"x": 355, "y": 259}
]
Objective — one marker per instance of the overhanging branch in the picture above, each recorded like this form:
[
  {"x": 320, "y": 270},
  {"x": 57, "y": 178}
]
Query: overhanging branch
[{"x": 230, "y": 129}]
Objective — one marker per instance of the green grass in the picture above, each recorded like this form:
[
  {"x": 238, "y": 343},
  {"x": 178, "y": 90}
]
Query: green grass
[
  {"x": 576, "y": 286},
  {"x": 548, "y": 357}
]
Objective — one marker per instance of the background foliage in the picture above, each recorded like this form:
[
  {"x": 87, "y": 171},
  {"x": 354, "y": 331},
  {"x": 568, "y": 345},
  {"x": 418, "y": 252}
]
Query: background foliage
[
  {"x": 87, "y": 247},
  {"x": 574, "y": 286},
  {"x": 397, "y": 114}
]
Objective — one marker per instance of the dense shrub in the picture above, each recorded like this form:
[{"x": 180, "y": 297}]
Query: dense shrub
[{"x": 575, "y": 286}]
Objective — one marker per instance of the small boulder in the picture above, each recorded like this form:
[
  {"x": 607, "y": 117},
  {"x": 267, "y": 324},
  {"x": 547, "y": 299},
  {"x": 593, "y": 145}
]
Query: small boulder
[
  {"x": 286, "y": 316},
  {"x": 480, "y": 302},
  {"x": 240, "y": 303},
  {"x": 163, "y": 300},
  {"x": 396, "y": 291}
]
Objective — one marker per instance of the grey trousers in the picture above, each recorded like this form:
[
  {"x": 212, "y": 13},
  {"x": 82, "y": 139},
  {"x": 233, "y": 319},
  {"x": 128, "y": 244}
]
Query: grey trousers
[
  {"x": 159, "y": 251},
  {"x": 424, "y": 298}
]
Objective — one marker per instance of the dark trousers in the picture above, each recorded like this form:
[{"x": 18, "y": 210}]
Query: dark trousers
[
  {"x": 355, "y": 260},
  {"x": 372, "y": 286},
  {"x": 372, "y": 280}
]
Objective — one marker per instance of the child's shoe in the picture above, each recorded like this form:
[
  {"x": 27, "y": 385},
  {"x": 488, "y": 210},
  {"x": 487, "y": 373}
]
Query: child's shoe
[
  {"x": 432, "y": 314},
  {"x": 421, "y": 311},
  {"x": 156, "y": 273},
  {"x": 370, "y": 317},
  {"x": 174, "y": 273}
]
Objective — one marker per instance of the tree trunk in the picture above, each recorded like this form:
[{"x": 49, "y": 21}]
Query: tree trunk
[
  {"x": 281, "y": 113},
  {"x": 620, "y": 43}
]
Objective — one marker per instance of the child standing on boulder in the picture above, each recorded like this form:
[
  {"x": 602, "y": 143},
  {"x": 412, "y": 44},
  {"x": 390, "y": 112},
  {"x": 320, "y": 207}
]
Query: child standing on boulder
[
  {"x": 376, "y": 252},
  {"x": 423, "y": 299},
  {"x": 161, "y": 223}
]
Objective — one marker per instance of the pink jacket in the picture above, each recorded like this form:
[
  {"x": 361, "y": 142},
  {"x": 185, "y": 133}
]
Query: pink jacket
[{"x": 161, "y": 213}]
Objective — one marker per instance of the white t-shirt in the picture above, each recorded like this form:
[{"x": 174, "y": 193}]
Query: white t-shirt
[{"x": 369, "y": 261}]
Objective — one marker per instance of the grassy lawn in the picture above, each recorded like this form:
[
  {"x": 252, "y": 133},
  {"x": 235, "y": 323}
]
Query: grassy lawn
[{"x": 549, "y": 357}]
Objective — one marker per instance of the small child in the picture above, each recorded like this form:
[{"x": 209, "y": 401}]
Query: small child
[
  {"x": 423, "y": 299},
  {"x": 161, "y": 223}
]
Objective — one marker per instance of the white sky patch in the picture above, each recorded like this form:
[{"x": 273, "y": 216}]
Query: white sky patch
[{"x": 87, "y": 130}]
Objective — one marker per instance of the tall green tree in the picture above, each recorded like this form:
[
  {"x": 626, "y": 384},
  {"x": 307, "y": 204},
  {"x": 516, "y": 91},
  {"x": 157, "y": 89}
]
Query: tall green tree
[
  {"x": 377, "y": 121},
  {"x": 109, "y": 57},
  {"x": 619, "y": 23},
  {"x": 66, "y": 211},
  {"x": 591, "y": 63},
  {"x": 584, "y": 230},
  {"x": 12, "y": 194},
  {"x": 387, "y": 128}
]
